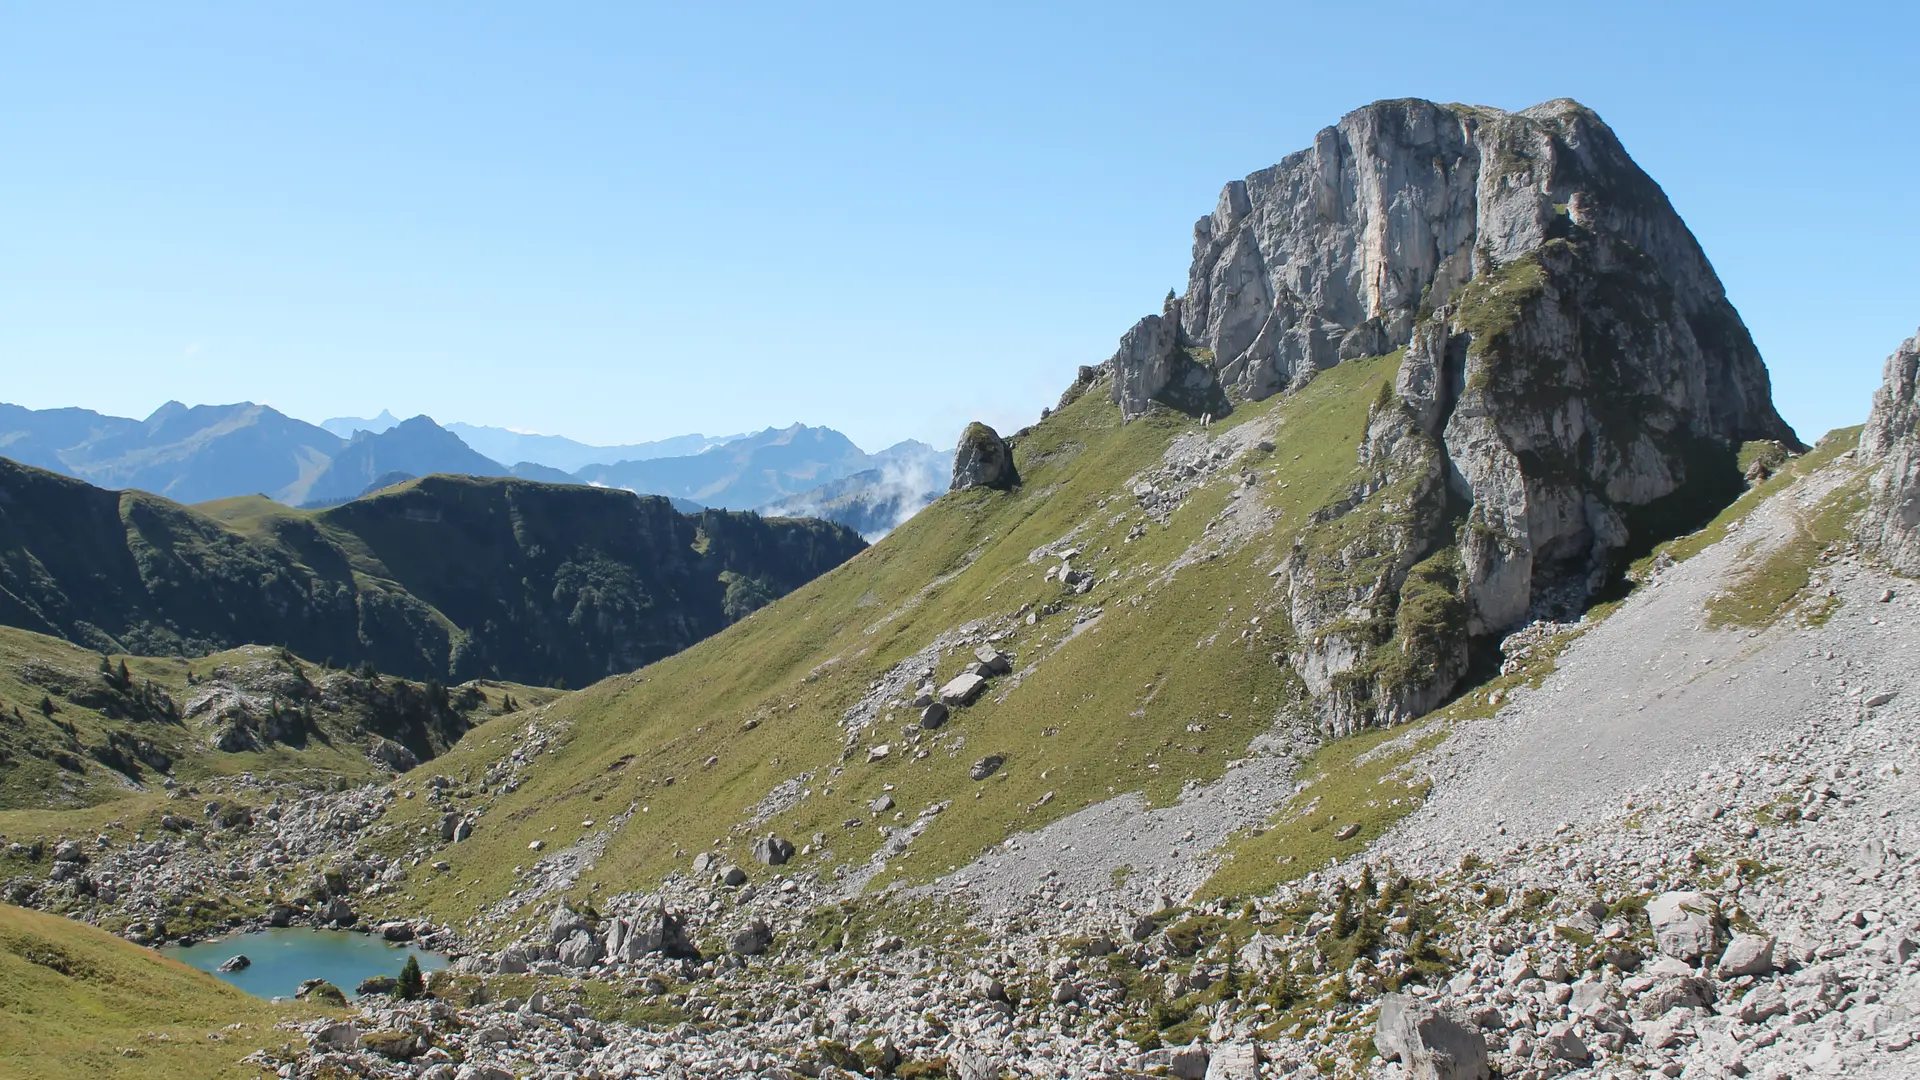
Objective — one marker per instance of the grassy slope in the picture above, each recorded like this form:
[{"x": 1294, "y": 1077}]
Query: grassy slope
[
  {"x": 29, "y": 662},
  {"x": 79, "y": 1002},
  {"x": 1112, "y": 710}
]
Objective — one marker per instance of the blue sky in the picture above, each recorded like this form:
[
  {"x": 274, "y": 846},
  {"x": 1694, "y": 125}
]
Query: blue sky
[{"x": 621, "y": 222}]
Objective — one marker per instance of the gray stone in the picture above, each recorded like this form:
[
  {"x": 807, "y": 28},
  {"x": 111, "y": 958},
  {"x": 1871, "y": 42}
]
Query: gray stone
[
  {"x": 986, "y": 766},
  {"x": 1747, "y": 954},
  {"x": 934, "y": 715},
  {"x": 581, "y": 950},
  {"x": 772, "y": 851},
  {"x": 1189, "y": 1062},
  {"x": 962, "y": 689},
  {"x": 237, "y": 962},
  {"x": 1564, "y": 1042},
  {"x": 1153, "y": 365},
  {"x": 752, "y": 939},
  {"x": 564, "y": 923},
  {"x": 985, "y": 987},
  {"x": 733, "y": 875},
  {"x": 971, "y": 1064},
  {"x": 993, "y": 660},
  {"x": 881, "y": 805},
  {"x": 1431, "y": 1044},
  {"x": 982, "y": 459},
  {"x": 1234, "y": 1061},
  {"x": 1683, "y": 924},
  {"x": 342, "y": 1037},
  {"x": 397, "y": 931}
]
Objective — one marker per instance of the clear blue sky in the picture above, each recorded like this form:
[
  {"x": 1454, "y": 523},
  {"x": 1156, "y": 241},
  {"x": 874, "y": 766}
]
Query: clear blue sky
[{"x": 620, "y": 222}]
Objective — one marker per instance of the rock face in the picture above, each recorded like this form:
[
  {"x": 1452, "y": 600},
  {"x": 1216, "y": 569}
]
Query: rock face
[
  {"x": 982, "y": 459},
  {"x": 1431, "y": 1044},
  {"x": 1155, "y": 366},
  {"x": 1572, "y": 374},
  {"x": 1892, "y": 521}
]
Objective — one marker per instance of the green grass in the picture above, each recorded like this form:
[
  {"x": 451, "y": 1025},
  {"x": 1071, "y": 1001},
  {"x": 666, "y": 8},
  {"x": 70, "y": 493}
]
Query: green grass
[
  {"x": 1348, "y": 781},
  {"x": 1162, "y": 689},
  {"x": 1766, "y": 589},
  {"x": 76, "y": 1002},
  {"x": 89, "y": 749}
]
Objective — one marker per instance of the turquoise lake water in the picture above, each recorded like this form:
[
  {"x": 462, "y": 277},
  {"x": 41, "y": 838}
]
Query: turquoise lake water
[{"x": 283, "y": 959}]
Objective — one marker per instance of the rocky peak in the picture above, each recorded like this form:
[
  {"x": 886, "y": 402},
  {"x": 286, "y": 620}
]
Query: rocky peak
[
  {"x": 1892, "y": 437},
  {"x": 1570, "y": 361}
]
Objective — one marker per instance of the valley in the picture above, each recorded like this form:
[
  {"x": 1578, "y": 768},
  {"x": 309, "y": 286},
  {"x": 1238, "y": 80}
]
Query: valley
[{"x": 1428, "y": 661}]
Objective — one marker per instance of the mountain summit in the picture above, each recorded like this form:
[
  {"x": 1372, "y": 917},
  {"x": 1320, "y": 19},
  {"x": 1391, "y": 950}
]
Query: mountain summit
[{"x": 1572, "y": 378}]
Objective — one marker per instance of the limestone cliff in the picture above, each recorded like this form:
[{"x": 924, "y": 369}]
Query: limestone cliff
[
  {"x": 1892, "y": 437},
  {"x": 1571, "y": 365}
]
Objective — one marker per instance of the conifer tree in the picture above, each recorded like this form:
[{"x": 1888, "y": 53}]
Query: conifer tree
[{"x": 412, "y": 985}]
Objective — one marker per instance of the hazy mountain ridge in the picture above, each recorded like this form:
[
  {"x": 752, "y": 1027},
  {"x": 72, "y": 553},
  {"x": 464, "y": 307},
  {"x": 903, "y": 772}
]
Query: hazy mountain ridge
[{"x": 206, "y": 452}]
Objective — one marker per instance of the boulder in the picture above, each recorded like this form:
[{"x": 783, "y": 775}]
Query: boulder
[
  {"x": 986, "y": 767},
  {"x": 1683, "y": 924},
  {"x": 705, "y": 861},
  {"x": 934, "y": 715},
  {"x": 392, "y": 1045},
  {"x": 993, "y": 660},
  {"x": 377, "y": 984},
  {"x": 280, "y": 915},
  {"x": 1189, "y": 1062},
  {"x": 967, "y": 1063},
  {"x": 982, "y": 459},
  {"x": 733, "y": 876},
  {"x": 985, "y": 987},
  {"x": 1747, "y": 954},
  {"x": 341, "y": 1037},
  {"x": 581, "y": 950},
  {"x": 320, "y": 990},
  {"x": 752, "y": 939},
  {"x": 239, "y": 962},
  {"x": 448, "y": 823},
  {"x": 397, "y": 931},
  {"x": 881, "y": 805},
  {"x": 511, "y": 960},
  {"x": 563, "y": 923},
  {"x": 963, "y": 689},
  {"x": 1433, "y": 1045},
  {"x": 1565, "y": 1043},
  {"x": 339, "y": 913},
  {"x": 653, "y": 931},
  {"x": 1234, "y": 1061},
  {"x": 772, "y": 851}
]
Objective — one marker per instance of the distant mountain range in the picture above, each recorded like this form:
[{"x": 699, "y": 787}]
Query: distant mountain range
[
  {"x": 206, "y": 452},
  {"x": 554, "y": 451}
]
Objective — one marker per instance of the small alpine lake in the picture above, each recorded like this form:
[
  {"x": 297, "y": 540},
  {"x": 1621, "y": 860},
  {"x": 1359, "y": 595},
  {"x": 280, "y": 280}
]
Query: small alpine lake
[{"x": 283, "y": 959}]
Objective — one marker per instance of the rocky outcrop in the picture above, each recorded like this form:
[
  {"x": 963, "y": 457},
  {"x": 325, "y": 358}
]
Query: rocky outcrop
[
  {"x": 983, "y": 459},
  {"x": 1573, "y": 377},
  {"x": 1891, "y": 525},
  {"x": 1155, "y": 366}
]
